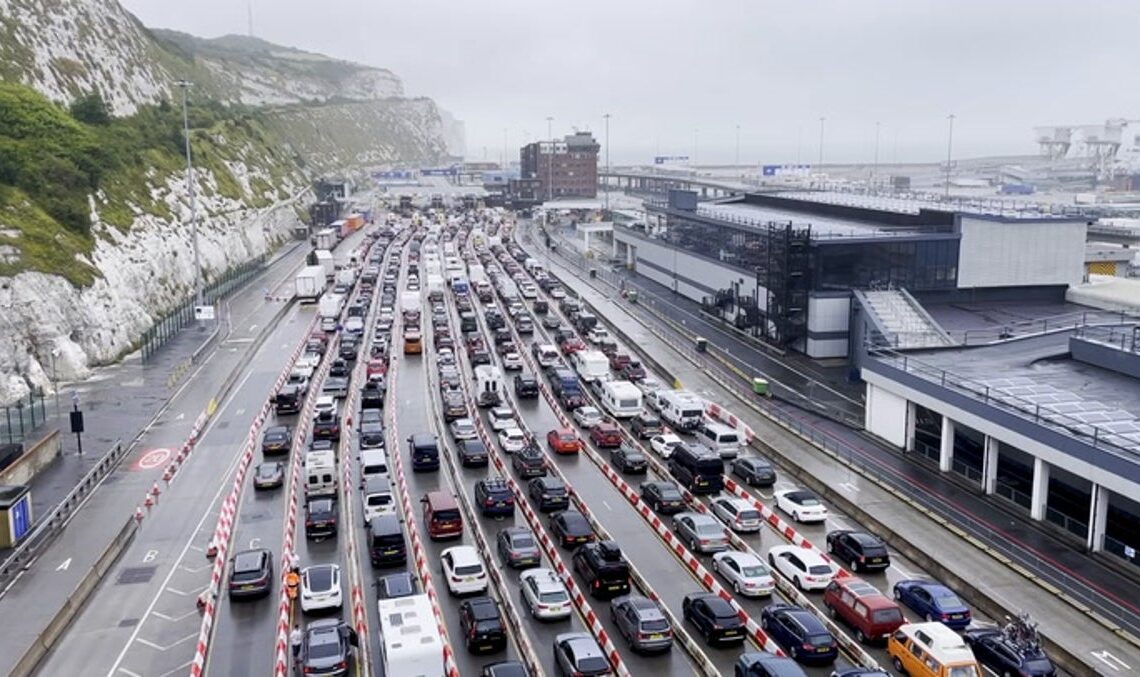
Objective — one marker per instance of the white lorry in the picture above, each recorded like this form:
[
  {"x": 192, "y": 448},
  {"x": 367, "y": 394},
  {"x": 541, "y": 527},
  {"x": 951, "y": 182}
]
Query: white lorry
[
  {"x": 310, "y": 283},
  {"x": 325, "y": 261},
  {"x": 330, "y": 305},
  {"x": 327, "y": 238},
  {"x": 410, "y": 642}
]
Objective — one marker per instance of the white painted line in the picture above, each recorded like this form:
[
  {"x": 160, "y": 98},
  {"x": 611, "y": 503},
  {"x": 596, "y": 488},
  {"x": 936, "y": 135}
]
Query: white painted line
[
  {"x": 607, "y": 506},
  {"x": 180, "y": 668},
  {"x": 176, "y": 591},
  {"x": 64, "y": 565},
  {"x": 175, "y": 619},
  {"x": 252, "y": 327},
  {"x": 1111, "y": 661},
  {"x": 849, "y": 487},
  {"x": 128, "y": 673},
  {"x": 239, "y": 412},
  {"x": 168, "y": 646}
]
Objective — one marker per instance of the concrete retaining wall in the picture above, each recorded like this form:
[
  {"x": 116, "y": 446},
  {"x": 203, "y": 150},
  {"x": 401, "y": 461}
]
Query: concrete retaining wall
[{"x": 36, "y": 458}]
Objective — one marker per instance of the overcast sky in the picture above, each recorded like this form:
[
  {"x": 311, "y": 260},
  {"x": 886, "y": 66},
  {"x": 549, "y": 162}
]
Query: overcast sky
[{"x": 679, "y": 77}]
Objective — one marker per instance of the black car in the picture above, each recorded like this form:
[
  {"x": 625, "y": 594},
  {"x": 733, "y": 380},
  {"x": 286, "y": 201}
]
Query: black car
[
  {"x": 337, "y": 386},
  {"x": 549, "y": 493},
  {"x": 269, "y": 475},
  {"x": 571, "y": 529},
  {"x": 288, "y": 399},
  {"x": 800, "y": 633},
  {"x": 276, "y": 440},
  {"x": 664, "y": 497},
  {"x": 326, "y": 425},
  {"x": 392, "y": 586},
  {"x": 530, "y": 461},
  {"x": 483, "y": 628},
  {"x": 472, "y": 453},
  {"x": 321, "y": 516},
  {"x": 454, "y": 406},
  {"x": 1006, "y": 657},
  {"x": 493, "y": 496},
  {"x": 764, "y": 664},
  {"x": 755, "y": 471},
  {"x": 713, "y": 617},
  {"x": 349, "y": 347},
  {"x": 603, "y": 568},
  {"x": 326, "y": 648},
  {"x": 372, "y": 395},
  {"x": 526, "y": 386},
  {"x": 860, "y": 550},
  {"x": 505, "y": 669},
  {"x": 629, "y": 460},
  {"x": 340, "y": 367},
  {"x": 479, "y": 356},
  {"x": 251, "y": 573}
]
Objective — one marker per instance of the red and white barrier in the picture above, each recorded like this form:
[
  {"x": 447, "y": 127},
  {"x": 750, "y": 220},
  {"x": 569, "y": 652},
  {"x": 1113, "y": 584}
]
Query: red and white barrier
[
  {"x": 725, "y": 416},
  {"x": 220, "y": 541}
]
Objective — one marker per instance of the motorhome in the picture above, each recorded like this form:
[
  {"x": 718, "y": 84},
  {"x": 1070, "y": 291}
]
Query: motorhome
[
  {"x": 681, "y": 409},
  {"x": 621, "y": 399},
  {"x": 410, "y": 641}
]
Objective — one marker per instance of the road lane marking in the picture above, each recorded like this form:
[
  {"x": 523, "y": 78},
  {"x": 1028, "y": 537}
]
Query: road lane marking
[
  {"x": 1111, "y": 661},
  {"x": 168, "y": 647},
  {"x": 128, "y": 673},
  {"x": 64, "y": 565},
  {"x": 252, "y": 327},
  {"x": 152, "y": 459},
  {"x": 175, "y": 619},
  {"x": 150, "y": 555},
  {"x": 180, "y": 668}
]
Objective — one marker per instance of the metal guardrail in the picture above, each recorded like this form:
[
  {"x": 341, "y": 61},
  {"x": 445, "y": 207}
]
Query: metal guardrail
[
  {"x": 20, "y": 418},
  {"x": 55, "y": 521}
]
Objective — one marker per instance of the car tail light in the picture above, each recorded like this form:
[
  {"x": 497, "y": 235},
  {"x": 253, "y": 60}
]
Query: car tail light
[
  {"x": 808, "y": 647},
  {"x": 343, "y": 665},
  {"x": 945, "y": 617},
  {"x": 456, "y": 579},
  {"x": 862, "y": 558},
  {"x": 488, "y": 501}
]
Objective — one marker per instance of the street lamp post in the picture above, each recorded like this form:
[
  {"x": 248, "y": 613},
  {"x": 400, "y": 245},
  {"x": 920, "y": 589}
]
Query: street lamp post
[
  {"x": 821, "y": 121},
  {"x": 550, "y": 161},
  {"x": 949, "y": 151},
  {"x": 606, "y": 183},
  {"x": 184, "y": 85}
]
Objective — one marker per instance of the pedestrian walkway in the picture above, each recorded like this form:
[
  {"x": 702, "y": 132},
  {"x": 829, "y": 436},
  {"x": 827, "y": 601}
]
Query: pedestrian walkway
[
  {"x": 120, "y": 400},
  {"x": 989, "y": 580}
]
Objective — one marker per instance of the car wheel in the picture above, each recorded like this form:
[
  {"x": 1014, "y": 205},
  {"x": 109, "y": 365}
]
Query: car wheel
[
  {"x": 796, "y": 517},
  {"x": 862, "y": 639},
  {"x": 799, "y": 584},
  {"x": 693, "y": 544},
  {"x": 855, "y": 565},
  {"x": 898, "y": 595},
  {"x": 830, "y": 610},
  {"x": 794, "y": 651},
  {"x": 715, "y": 566},
  {"x": 771, "y": 560},
  {"x": 898, "y": 664},
  {"x": 736, "y": 587}
]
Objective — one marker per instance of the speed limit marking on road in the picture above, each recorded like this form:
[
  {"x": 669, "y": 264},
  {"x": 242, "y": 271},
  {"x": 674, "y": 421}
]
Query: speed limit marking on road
[{"x": 151, "y": 459}]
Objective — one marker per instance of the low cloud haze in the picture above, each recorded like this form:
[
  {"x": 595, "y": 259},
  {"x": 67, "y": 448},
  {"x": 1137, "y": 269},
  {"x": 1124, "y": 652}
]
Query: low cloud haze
[{"x": 678, "y": 77}]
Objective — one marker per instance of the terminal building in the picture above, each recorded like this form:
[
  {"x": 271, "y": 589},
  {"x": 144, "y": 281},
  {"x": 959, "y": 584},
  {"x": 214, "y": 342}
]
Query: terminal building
[
  {"x": 563, "y": 169},
  {"x": 1040, "y": 416}
]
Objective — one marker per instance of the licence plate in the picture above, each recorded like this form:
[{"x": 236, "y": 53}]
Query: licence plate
[
  {"x": 657, "y": 636},
  {"x": 732, "y": 633},
  {"x": 876, "y": 560},
  {"x": 249, "y": 587},
  {"x": 822, "y": 650},
  {"x": 956, "y": 616},
  {"x": 390, "y": 552}
]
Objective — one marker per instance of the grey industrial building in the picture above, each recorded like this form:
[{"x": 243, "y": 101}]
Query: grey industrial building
[{"x": 1042, "y": 417}]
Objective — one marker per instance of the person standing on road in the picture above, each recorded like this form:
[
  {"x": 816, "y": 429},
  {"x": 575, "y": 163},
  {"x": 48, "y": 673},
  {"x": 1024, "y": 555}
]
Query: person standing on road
[{"x": 295, "y": 638}]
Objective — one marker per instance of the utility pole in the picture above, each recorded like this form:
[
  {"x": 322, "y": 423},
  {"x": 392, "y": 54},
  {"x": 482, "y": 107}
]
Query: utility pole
[
  {"x": 185, "y": 85},
  {"x": 875, "y": 171},
  {"x": 606, "y": 183},
  {"x": 949, "y": 151},
  {"x": 550, "y": 161},
  {"x": 737, "y": 146},
  {"x": 821, "y": 121}
]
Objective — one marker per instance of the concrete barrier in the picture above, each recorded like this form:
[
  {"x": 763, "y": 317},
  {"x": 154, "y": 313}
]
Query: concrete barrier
[
  {"x": 34, "y": 459},
  {"x": 63, "y": 618}
]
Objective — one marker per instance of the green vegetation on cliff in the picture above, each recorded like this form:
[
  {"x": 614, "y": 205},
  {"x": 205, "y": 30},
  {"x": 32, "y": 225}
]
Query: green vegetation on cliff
[{"x": 52, "y": 160}]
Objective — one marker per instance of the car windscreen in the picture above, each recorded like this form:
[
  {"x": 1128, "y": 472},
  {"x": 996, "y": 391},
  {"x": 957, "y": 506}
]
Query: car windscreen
[
  {"x": 655, "y": 625},
  {"x": 468, "y": 570},
  {"x": 555, "y": 597},
  {"x": 886, "y": 616},
  {"x": 320, "y": 578},
  {"x": 754, "y": 571},
  {"x": 820, "y": 639},
  {"x": 947, "y": 600},
  {"x": 819, "y": 569},
  {"x": 445, "y": 515},
  {"x": 593, "y": 664}
]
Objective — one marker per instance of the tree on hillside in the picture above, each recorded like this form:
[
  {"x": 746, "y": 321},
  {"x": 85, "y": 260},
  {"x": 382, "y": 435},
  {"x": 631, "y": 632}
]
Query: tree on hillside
[{"x": 91, "y": 109}]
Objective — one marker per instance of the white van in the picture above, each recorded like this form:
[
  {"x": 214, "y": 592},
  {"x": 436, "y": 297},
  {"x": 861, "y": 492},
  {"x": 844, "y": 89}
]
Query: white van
[
  {"x": 621, "y": 399},
  {"x": 681, "y": 409},
  {"x": 320, "y": 474},
  {"x": 720, "y": 438},
  {"x": 373, "y": 463},
  {"x": 488, "y": 386},
  {"x": 377, "y": 498}
]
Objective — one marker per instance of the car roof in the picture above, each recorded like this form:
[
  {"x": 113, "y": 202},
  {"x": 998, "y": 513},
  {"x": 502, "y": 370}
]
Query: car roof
[
  {"x": 249, "y": 559},
  {"x": 544, "y": 579},
  {"x": 464, "y": 554}
]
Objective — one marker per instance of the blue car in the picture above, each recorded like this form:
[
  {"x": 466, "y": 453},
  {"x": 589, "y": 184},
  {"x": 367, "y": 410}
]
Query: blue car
[
  {"x": 764, "y": 664},
  {"x": 934, "y": 602},
  {"x": 800, "y": 633}
]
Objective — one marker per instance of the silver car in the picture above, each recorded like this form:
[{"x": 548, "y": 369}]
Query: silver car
[
  {"x": 642, "y": 624},
  {"x": 701, "y": 532},
  {"x": 544, "y": 594}
]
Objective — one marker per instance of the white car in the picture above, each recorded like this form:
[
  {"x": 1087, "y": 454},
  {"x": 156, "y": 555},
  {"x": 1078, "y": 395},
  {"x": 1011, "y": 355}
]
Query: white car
[
  {"x": 512, "y": 361},
  {"x": 354, "y": 325},
  {"x": 463, "y": 429},
  {"x": 745, "y": 572},
  {"x": 308, "y": 361},
  {"x": 801, "y": 504},
  {"x": 597, "y": 335},
  {"x": 804, "y": 567},
  {"x": 557, "y": 293},
  {"x": 502, "y": 418},
  {"x": 587, "y": 417},
  {"x": 463, "y": 570},
  {"x": 649, "y": 384},
  {"x": 320, "y": 588},
  {"x": 664, "y": 444},
  {"x": 512, "y": 440},
  {"x": 328, "y": 324},
  {"x": 544, "y": 594},
  {"x": 325, "y": 403},
  {"x": 738, "y": 514}
]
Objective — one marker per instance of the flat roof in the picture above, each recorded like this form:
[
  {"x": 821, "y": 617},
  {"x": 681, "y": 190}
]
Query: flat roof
[
  {"x": 1037, "y": 374},
  {"x": 913, "y": 203},
  {"x": 822, "y": 227}
]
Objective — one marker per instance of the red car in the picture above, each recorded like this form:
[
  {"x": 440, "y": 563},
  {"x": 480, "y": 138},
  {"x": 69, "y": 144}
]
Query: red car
[
  {"x": 563, "y": 441},
  {"x": 606, "y": 435},
  {"x": 572, "y": 345},
  {"x": 376, "y": 367},
  {"x": 618, "y": 361}
]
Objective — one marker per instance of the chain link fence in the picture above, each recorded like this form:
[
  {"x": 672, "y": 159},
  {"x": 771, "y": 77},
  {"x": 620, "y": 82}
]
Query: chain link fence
[{"x": 173, "y": 322}]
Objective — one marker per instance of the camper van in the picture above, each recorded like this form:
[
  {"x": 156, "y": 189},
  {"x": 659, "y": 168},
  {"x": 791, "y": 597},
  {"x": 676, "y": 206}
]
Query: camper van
[
  {"x": 931, "y": 650},
  {"x": 591, "y": 364},
  {"x": 488, "y": 386},
  {"x": 320, "y": 474},
  {"x": 410, "y": 641},
  {"x": 681, "y": 409},
  {"x": 621, "y": 399}
]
